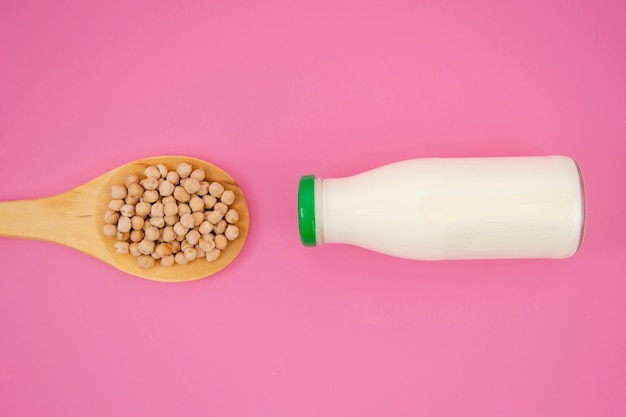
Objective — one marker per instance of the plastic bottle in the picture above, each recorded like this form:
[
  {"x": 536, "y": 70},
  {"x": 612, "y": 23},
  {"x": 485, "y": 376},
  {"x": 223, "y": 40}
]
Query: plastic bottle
[{"x": 450, "y": 208}]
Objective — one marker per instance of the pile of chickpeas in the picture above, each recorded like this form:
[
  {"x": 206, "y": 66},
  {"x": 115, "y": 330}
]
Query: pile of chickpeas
[{"x": 171, "y": 216}]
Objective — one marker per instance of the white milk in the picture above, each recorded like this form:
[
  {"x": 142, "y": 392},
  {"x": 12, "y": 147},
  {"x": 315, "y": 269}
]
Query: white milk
[{"x": 455, "y": 208}]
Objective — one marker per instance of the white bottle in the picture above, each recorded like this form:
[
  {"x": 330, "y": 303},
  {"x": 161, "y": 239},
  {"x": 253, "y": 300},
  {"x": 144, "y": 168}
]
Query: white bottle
[{"x": 451, "y": 208}]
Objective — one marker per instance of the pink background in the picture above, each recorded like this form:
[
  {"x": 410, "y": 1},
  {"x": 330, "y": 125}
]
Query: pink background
[{"x": 270, "y": 91}]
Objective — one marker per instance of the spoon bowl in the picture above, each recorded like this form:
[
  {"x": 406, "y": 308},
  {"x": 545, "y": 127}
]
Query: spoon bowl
[{"x": 76, "y": 218}]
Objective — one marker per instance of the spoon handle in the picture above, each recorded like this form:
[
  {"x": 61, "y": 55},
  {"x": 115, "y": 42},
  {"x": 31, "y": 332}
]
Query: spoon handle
[{"x": 64, "y": 218}]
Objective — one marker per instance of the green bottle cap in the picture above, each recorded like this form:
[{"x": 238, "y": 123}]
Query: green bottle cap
[{"x": 306, "y": 210}]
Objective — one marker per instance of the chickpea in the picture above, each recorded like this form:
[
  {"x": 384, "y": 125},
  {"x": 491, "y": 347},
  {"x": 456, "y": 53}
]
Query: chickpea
[
  {"x": 146, "y": 246},
  {"x": 109, "y": 230},
  {"x": 133, "y": 248},
  {"x": 131, "y": 200},
  {"x": 175, "y": 245},
  {"x": 206, "y": 244},
  {"x": 157, "y": 210},
  {"x": 171, "y": 220},
  {"x": 187, "y": 220},
  {"x": 216, "y": 189},
  {"x": 121, "y": 248},
  {"x": 137, "y": 235},
  {"x": 152, "y": 172},
  {"x": 150, "y": 196},
  {"x": 116, "y": 204},
  {"x": 180, "y": 229},
  {"x": 220, "y": 227},
  {"x": 152, "y": 233},
  {"x": 204, "y": 188},
  {"x": 190, "y": 254},
  {"x": 232, "y": 216},
  {"x": 170, "y": 209},
  {"x": 166, "y": 188},
  {"x": 149, "y": 183},
  {"x": 197, "y": 174},
  {"x": 193, "y": 236},
  {"x": 231, "y": 232},
  {"x": 196, "y": 204},
  {"x": 180, "y": 259},
  {"x": 168, "y": 234},
  {"x": 198, "y": 218},
  {"x": 119, "y": 192},
  {"x": 181, "y": 194},
  {"x": 158, "y": 222},
  {"x": 221, "y": 242},
  {"x": 111, "y": 217},
  {"x": 191, "y": 185},
  {"x": 163, "y": 249},
  {"x": 135, "y": 190},
  {"x": 213, "y": 255},
  {"x": 169, "y": 199},
  {"x": 173, "y": 177},
  {"x": 137, "y": 222},
  {"x": 205, "y": 227},
  {"x": 228, "y": 197},
  {"x": 145, "y": 261},
  {"x": 209, "y": 201},
  {"x": 199, "y": 253},
  {"x": 183, "y": 209},
  {"x": 171, "y": 216},
  {"x": 214, "y": 216},
  {"x": 167, "y": 260},
  {"x": 124, "y": 224},
  {"x": 131, "y": 179},
  {"x": 221, "y": 207},
  {"x": 127, "y": 210},
  {"x": 184, "y": 169},
  {"x": 143, "y": 208},
  {"x": 162, "y": 170}
]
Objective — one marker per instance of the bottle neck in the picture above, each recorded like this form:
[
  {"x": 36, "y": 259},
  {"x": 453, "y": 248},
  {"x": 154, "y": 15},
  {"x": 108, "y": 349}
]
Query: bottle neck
[{"x": 319, "y": 210}]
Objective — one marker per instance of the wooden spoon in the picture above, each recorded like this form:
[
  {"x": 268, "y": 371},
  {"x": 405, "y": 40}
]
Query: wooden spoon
[{"x": 76, "y": 219}]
